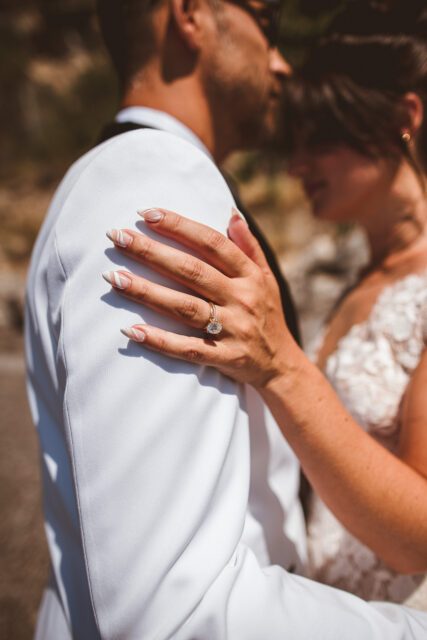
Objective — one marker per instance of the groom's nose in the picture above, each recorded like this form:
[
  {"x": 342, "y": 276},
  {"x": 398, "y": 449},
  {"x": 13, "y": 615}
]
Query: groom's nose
[{"x": 279, "y": 66}]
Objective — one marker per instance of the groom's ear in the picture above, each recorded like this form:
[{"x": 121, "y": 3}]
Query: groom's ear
[{"x": 191, "y": 18}]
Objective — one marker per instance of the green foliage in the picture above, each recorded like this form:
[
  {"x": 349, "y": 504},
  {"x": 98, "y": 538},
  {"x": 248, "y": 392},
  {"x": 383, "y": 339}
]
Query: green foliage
[
  {"x": 43, "y": 125},
  {"x": 302, "y": 21}
]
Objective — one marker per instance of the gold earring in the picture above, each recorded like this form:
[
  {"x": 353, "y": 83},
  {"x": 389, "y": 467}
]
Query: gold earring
[{"x": 406, "y": 137}]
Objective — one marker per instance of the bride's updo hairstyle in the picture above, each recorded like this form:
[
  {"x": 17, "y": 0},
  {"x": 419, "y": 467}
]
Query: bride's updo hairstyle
[{"x": 349, "y": 91}]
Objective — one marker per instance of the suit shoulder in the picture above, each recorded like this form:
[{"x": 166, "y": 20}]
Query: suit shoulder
[
  {"x": 152, "y": 151},
  {"x": 140, "y": 170},
  {"x": 148, "y": 160},
  {"x": 165, "y": 150}
]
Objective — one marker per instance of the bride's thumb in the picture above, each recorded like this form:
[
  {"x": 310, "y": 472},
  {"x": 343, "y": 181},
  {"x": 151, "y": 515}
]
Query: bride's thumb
[{"x": 240, "y": 234}]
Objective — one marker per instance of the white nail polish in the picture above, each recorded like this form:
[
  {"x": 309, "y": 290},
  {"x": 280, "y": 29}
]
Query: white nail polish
[
  {"x": 117, "y": 279},
  {"x": 151, "y": 215},
  {"x": 119, "y": 237},
  {"x": 236, "y": 212},
  {"x": 134, "y": 334}
]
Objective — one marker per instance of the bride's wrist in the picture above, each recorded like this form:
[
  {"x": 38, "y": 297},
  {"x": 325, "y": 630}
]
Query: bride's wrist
[{"x": 290, "y": 365}]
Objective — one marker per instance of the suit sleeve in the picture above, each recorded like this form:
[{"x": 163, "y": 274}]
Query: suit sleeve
[{"x": 159, "y": 449}]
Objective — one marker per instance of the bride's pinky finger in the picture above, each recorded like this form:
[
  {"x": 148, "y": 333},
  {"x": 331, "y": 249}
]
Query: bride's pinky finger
[{"x": 186, "y": 348}]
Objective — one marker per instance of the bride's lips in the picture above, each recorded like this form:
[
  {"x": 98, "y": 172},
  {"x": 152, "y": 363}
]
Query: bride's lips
[{"x": 314, "y": 187}]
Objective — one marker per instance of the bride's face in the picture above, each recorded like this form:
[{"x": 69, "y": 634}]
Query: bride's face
[{"x": 341, "y": 184}]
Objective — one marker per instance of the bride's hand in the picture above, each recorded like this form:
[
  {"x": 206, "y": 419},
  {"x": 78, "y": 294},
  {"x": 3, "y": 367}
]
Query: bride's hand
[{"x": 233, "y": 275}]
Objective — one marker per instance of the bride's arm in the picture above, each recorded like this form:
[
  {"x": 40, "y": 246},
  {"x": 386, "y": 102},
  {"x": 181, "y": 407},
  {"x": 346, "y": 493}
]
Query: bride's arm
[{"x": 379, "y": 497}]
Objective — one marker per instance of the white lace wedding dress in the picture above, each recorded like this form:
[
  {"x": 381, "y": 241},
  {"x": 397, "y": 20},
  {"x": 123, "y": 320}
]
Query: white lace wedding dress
[{"x": 370, "y": 370}]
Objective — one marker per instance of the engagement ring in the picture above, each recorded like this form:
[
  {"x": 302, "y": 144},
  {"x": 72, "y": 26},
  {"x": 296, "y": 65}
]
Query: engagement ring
[{"x": 214, "y": 327}]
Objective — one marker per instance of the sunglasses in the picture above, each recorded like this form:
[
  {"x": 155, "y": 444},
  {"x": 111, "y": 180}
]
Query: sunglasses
[{"x": 266, "y": 14}]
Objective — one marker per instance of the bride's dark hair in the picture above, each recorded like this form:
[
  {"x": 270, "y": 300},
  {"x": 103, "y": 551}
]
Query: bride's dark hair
[{"x": 350, "y": 89}]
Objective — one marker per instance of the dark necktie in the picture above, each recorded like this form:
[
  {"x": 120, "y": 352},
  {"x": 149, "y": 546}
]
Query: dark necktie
[{"x": 117, "y": 128}]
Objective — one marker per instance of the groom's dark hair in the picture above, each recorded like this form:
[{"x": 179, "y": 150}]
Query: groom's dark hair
[{"x": 127, "y": 34}]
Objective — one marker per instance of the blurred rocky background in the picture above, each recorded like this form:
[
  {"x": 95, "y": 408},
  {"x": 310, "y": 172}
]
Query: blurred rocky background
[{"x": 56, "y": 91}]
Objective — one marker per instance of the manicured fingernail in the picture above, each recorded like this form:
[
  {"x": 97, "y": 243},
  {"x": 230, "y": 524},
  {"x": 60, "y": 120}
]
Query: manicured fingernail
[
  {"x": 116, "y": 279},
  {"x": 134, "y": 334},
  {"x": 151, "y": 215},
  {"x": 119, "y": 237},
  {"x": 236, "y": 212}
]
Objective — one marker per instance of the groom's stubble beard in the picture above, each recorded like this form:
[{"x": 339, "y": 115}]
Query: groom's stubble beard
[{"x": 239, "y": 86}]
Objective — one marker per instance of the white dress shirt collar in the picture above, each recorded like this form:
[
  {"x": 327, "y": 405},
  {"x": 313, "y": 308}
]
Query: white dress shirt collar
[{"x": 160, "y": 120}]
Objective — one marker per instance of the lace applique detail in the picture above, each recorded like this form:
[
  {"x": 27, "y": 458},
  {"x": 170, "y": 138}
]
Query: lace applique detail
[
  {"x": 337, "y": 558},
  {"x": 370, "y": 371},
  {"x": 372, "y": 364}
]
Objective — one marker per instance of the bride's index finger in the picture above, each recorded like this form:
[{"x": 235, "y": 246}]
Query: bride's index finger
[{"x": 213, "y": 246}]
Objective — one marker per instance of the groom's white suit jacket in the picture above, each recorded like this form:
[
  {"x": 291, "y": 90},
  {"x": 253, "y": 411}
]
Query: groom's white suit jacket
[{"x": 169, "y": 492}]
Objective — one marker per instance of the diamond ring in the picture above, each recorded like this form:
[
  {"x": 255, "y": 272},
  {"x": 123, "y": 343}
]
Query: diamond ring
[{"x": 214, "y": 327}]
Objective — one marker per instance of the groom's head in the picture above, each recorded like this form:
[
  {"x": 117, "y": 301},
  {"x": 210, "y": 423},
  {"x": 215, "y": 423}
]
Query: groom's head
[{"x": 211, "y": 63}]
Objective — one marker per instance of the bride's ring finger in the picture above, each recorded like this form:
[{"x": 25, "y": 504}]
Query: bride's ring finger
[{"x": 194, "y": 311}]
